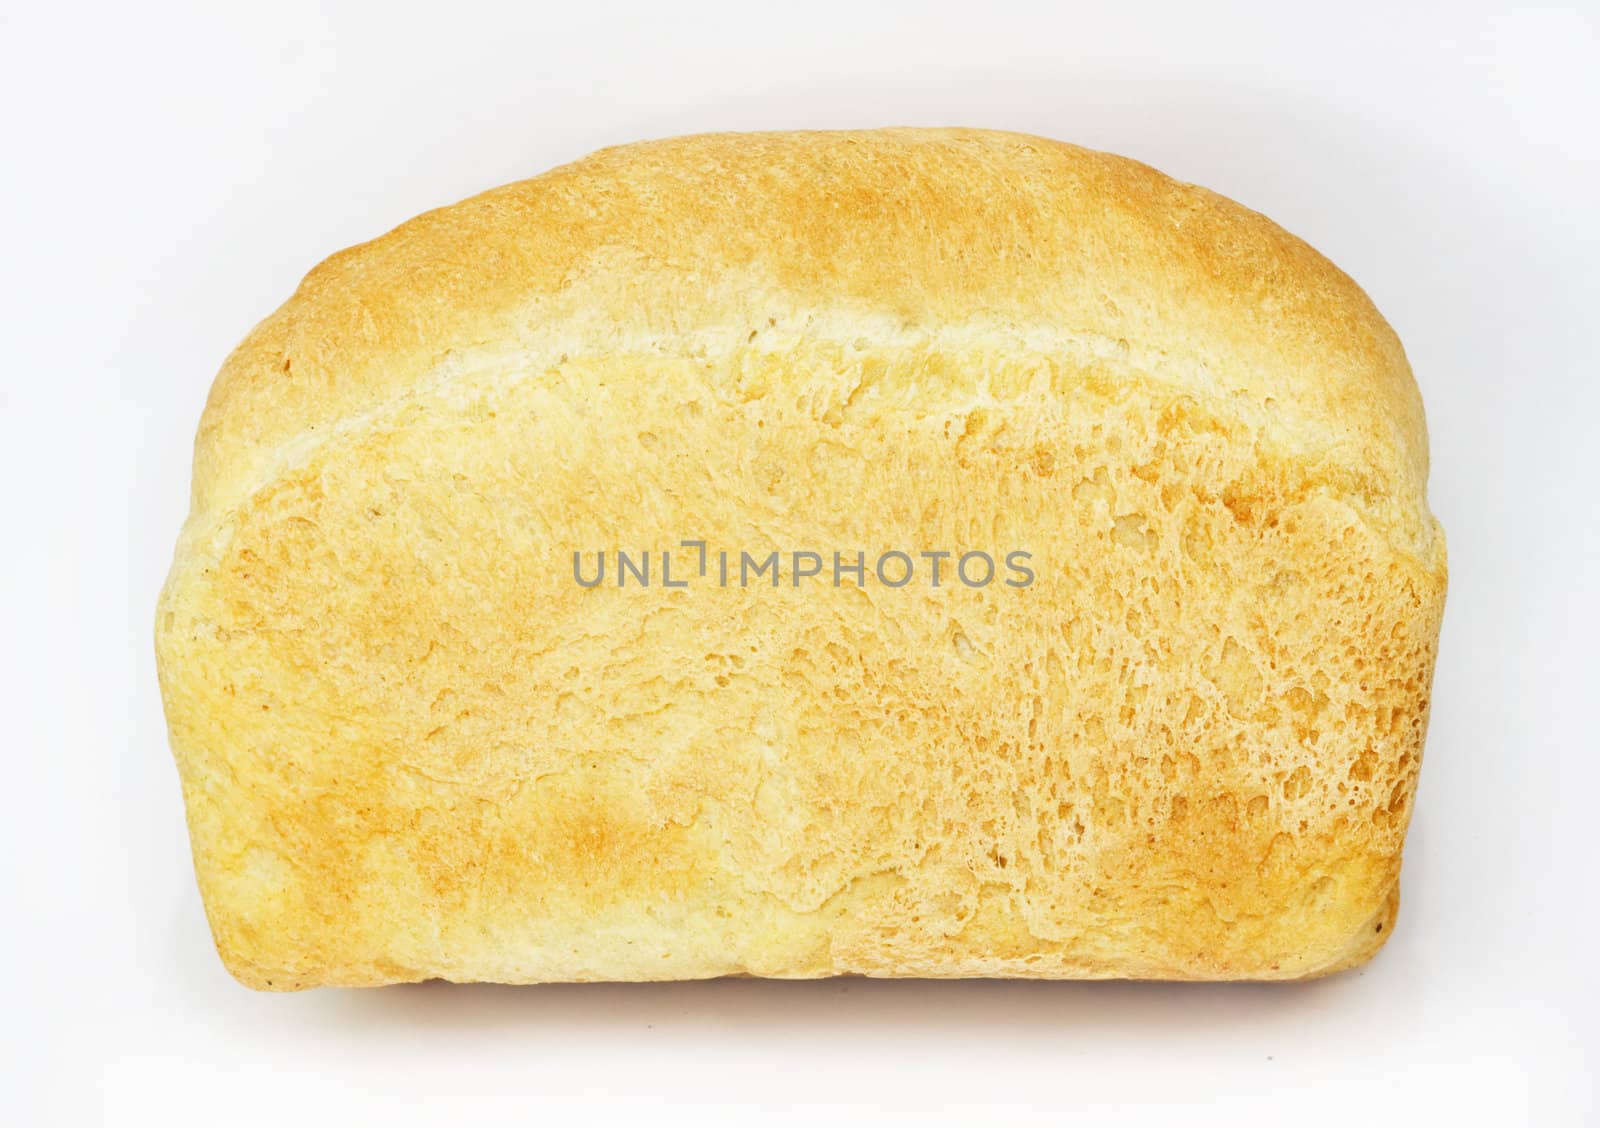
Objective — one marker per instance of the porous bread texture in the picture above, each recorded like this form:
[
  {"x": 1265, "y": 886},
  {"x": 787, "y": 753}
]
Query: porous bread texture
[{"x": 411, "y": 746}]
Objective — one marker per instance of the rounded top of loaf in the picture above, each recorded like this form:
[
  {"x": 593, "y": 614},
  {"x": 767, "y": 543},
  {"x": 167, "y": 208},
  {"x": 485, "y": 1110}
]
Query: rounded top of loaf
[{"x": 698, "y": 245}]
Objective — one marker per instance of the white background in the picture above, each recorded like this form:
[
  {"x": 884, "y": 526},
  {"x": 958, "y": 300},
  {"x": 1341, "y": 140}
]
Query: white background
[{"x": 168, "y": 176}]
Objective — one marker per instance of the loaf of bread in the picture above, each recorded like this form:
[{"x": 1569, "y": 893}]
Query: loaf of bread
[{"x": 895, "y": 553}]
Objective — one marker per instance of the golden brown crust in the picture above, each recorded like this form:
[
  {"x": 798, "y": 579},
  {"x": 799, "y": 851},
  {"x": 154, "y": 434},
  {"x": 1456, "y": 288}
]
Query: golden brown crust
[
  {"x": 921, "y": 228},
  {"x": 411, "y": 746}
]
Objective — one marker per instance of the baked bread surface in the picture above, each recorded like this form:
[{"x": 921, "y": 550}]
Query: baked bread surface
[{"x": 412, "y": 746}]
